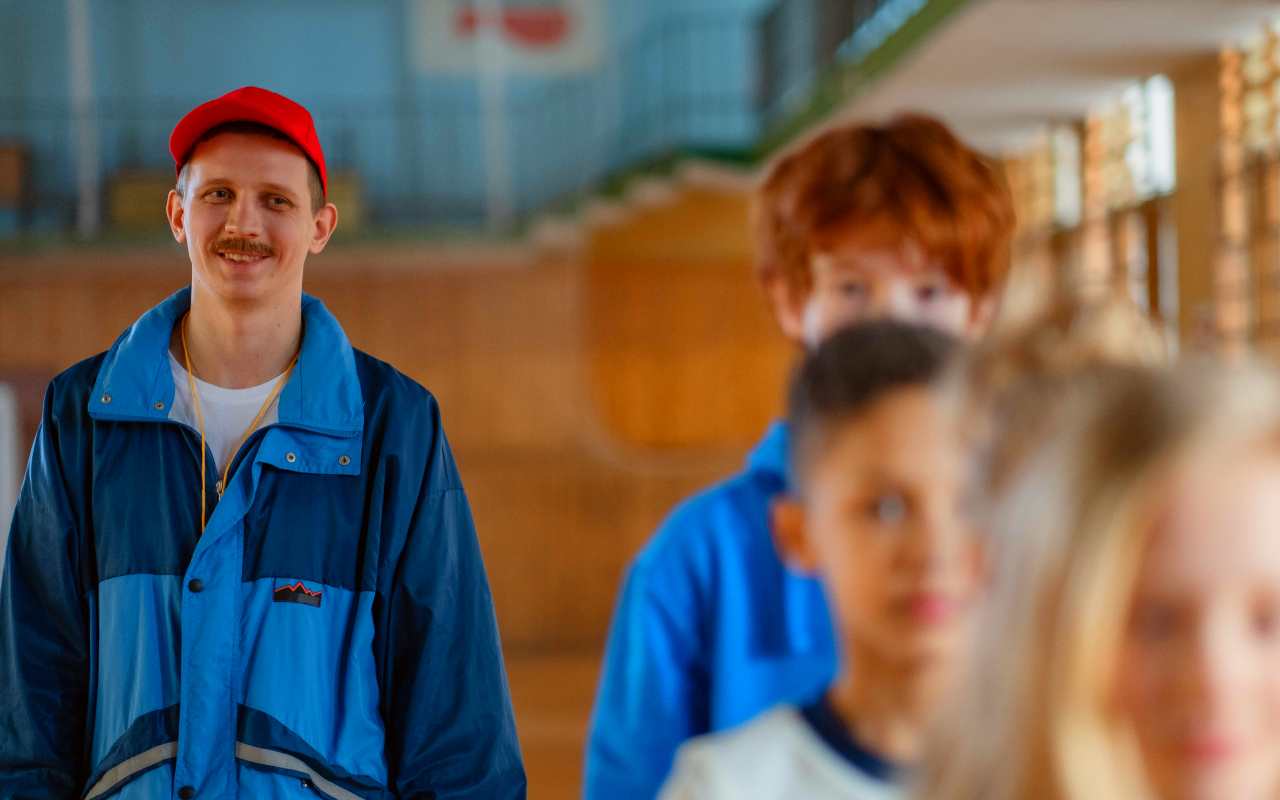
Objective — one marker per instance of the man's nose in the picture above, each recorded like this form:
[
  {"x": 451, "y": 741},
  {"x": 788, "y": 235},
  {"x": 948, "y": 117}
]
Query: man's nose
[{"x": 243, "y": 217}]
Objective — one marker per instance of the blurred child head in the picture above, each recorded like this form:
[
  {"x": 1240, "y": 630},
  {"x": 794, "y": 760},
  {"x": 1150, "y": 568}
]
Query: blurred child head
[
  {"x": 1009, "y": 384},
  {"x": 899, "y": 220},
  {"x": 1130, "y": 643},
  {"x": 874, "y": 507}
]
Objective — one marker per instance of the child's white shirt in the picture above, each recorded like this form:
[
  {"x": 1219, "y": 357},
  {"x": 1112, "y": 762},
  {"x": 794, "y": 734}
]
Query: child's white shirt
[{"x": 777, "y": 755}]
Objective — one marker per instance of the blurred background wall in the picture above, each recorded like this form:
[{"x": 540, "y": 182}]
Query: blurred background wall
[
  {"x": 544, "y": 220},
  {"x": 411, "y": 101}
]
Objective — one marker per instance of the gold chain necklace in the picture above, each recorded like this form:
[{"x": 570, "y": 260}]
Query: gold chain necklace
[{"x": 253, "y": 426}]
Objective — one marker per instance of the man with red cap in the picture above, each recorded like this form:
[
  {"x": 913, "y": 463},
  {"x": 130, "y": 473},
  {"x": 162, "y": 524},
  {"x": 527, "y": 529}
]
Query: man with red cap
[{"x": 242, "y": 563}]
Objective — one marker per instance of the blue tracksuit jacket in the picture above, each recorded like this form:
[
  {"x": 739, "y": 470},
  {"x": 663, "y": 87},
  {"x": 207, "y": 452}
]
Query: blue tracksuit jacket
[
  {"x": 710, "y": 630},
  {"x": 330, "y": 635}
]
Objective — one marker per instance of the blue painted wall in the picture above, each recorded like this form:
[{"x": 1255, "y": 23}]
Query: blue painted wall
[{"x": 674, "y": 74}]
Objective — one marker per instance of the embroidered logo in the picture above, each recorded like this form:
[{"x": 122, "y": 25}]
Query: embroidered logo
[{"x": 296, "y": 593}]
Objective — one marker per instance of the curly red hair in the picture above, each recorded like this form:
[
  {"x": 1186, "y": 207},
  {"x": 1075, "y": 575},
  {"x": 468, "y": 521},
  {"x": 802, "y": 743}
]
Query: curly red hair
[{"x": 911, "y": 177}]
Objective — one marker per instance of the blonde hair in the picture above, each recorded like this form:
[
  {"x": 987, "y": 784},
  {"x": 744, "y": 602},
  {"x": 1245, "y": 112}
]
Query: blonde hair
[
  {"x": 1068, "y": 527},
  {"x": 1009, "y": 384}
]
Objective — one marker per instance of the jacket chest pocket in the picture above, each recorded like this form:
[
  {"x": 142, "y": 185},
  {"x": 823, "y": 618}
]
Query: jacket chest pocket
[{"x": 307, "y": 527}]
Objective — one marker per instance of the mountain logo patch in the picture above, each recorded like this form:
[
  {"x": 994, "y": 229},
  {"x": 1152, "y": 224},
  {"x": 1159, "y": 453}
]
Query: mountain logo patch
[{"x": 296, "y": 592}]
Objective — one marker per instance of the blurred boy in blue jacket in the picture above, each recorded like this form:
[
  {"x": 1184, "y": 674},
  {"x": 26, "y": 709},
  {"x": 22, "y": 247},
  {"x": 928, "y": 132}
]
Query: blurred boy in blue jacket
[{"x": 900, "y": 220}]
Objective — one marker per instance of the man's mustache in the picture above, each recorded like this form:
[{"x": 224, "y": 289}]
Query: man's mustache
[{"x": 250, "y": 247}]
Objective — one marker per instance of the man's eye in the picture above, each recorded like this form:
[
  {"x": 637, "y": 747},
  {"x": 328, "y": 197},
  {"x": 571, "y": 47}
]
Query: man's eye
[
  {"x": 217, "y": 194},
  {"x": 889, "y": 509},
  {"x": 280, "y": 202},
  {"x": 852, "y": 288}
]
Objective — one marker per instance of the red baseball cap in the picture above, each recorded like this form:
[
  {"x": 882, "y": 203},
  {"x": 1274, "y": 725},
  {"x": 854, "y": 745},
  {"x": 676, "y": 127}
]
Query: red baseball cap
[{"x": 249, "y": 104}]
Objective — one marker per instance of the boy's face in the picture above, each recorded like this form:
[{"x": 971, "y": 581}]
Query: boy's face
[
  {"x": 880, "y": 523},
  {"x": 872, "y": 273},
  {"x": 1199, "y": 671}
]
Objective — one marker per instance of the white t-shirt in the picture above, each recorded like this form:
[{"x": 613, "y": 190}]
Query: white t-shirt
[
  {"x": 780, "y": 754},
  {"x": 227, "y": 412}
]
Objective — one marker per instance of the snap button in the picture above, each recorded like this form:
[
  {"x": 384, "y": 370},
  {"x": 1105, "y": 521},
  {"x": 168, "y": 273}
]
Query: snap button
[
  {"x": 344, "y": 460},
  {"x": 290, "y": 457},
  {"x": 159, "y": 406},
  {"x": 106, "y": 398},
  {"x": 195, "y": 585},
  {"x": 186, "y": 793}
]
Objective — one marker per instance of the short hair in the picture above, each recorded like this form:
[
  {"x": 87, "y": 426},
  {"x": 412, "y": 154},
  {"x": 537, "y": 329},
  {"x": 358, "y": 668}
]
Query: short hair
[
  {"x": 912, "y": 174},
  {"x": 314, "y": 185},
  {"x": 851, "y": 370}
]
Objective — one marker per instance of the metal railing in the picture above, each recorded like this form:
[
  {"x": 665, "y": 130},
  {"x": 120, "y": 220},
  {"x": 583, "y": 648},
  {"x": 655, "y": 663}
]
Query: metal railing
[{"x": 416, "y": 152}]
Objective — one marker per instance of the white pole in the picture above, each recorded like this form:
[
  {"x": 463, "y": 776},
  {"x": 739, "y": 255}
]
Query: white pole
[
  {"x": 9, "y": 464},
  {"x": 84, "y": 123},
  {"x": 492, "y": 68}
]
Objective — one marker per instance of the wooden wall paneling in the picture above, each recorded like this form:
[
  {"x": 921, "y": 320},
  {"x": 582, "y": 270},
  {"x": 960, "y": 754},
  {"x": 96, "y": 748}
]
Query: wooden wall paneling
[{"x": 685, "y": 353}]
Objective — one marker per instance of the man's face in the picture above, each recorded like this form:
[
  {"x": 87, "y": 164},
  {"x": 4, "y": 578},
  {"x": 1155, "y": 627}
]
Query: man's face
[
  {"x": 880, "y": 523},
  {"x": 246, "y": 218}
]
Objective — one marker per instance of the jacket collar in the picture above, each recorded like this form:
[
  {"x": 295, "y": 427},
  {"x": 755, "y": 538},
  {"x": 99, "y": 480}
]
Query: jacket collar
[
  {"x": 772, "y": 454},
  {"x": 800, "y": 623},
  {"x": 323, "y": 393}
]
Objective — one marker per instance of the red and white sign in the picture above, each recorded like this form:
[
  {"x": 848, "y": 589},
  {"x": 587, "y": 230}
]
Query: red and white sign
[{"x": 534, "y": 36}]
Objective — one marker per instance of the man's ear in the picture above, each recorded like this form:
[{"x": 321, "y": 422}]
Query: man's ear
[
  {"x": 787, "y": 518},
  {"x": 788, "y": 306},
  {"x": 325, "y": 223},
  {"x": 174, "y": 212}
]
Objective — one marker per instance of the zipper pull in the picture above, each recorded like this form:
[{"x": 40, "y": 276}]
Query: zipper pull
[{"x": 218, "y": 486}]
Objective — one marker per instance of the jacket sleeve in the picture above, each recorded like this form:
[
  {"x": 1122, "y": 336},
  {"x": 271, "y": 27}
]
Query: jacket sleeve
[
  {"x": 450, "y": 727},
  {"x": 653, "y": 685},
  {"x": 44, "y": 645}
]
